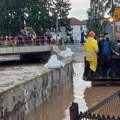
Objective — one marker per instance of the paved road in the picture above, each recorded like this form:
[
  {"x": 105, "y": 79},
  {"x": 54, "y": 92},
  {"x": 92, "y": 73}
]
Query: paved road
[{"x": 79, "y": 52}]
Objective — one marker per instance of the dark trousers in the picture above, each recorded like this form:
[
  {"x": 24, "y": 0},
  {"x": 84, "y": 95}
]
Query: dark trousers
[
  {"x": 86, "y": 68},
  {"x": 49, "y": 40},
  {"x": 82, "y": 40},
  {"x": 87, "y": 71},
  {"x": 105, "y": 65},
  {"x": 115, "y": 67},
  {"x": 42, "y": 40}
]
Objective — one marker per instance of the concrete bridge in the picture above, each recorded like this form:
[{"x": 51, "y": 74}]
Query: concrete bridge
[
  {"x": 28, "y": 49},
  {"x": 24, "y": 49},
  {"x": 28, "y": 53}
]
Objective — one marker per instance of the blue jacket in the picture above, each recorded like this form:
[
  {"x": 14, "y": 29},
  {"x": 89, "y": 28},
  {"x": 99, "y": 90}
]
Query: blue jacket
[{"x": 101, "y": 47}]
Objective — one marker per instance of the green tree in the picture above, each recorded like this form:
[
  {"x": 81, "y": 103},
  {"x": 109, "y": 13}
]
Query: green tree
[
  {"x": 63, "y": 15},
  {"x": 110, "y": 6},
  {"x": 17, "y": 14},
  {"x": 4, "y": 17},
  {"x": 60, "y": 11},
  {"x": 95, "y": 16},
  {"x": 12, "y": 16},
  {"x": 37, "y": 15}
]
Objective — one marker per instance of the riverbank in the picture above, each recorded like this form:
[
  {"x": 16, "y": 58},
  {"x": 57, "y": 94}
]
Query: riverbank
[{"x": 21, "y": 96}]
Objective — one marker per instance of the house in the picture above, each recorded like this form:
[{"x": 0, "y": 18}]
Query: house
[{"x": 77, "y": 26}]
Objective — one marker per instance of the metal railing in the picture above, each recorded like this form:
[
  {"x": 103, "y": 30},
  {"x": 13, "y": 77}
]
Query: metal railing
[
  {"x": 108, "y": 109},
  {"x": 10, "y": 41}
]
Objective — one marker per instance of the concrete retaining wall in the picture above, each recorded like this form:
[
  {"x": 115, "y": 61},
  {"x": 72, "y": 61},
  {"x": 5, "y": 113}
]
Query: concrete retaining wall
[
  {"x": 18, "y": 102},
  {"x": 24, "y": 49}
]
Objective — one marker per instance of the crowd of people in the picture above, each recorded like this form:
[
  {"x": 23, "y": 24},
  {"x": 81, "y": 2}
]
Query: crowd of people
[
  {"x": 102, "y": 57},
  {"x": 25, "y": 37}
]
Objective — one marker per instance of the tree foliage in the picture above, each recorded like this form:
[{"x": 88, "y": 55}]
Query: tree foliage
[
  {"x": 60, "y": 9},
  {"x": 17, "y": 14},
  {"x": 110, "y": 5},
  {"x": 97, "y": 11},
  {"x": 64, "y": 12},
  {"x": 95, "y": 15}
]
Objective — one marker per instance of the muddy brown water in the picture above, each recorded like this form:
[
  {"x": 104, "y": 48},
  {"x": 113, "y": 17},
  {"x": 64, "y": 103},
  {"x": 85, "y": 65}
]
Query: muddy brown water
[{"x": 57, "y": 108}]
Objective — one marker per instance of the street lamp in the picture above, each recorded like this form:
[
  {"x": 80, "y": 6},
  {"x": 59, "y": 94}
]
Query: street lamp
[{"x": 112, "y": 20}]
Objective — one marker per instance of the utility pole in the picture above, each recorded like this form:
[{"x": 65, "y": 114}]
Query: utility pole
[
  {"x": 113, "y": 7},
  {"x": 113, "y": 10},
  {"x": 7, "y": 3},
  {"x": 57, "y": 10}
]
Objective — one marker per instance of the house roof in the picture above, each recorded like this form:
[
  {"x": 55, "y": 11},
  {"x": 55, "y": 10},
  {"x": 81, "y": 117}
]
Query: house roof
[
  {"x": 84, "y": 22},
  {"x": 74, "y": 21}
]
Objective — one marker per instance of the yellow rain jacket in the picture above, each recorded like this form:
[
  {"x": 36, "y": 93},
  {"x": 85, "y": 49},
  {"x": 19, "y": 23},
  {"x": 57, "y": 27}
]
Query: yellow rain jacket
[{"x": 91, "y": 50}]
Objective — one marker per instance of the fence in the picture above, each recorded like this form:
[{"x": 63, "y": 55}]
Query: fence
[
  {"x": 22, "y": 41},
  {"x": 108, "y": 109}
]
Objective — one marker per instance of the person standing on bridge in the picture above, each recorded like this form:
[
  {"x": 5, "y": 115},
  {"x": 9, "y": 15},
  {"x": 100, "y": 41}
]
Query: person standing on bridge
[
  {"x": 48, "y": 35},
  {"x": 91, "y": 50},
  {"x": 23, "y": 37},
  {"x": 41, "y": 34}
]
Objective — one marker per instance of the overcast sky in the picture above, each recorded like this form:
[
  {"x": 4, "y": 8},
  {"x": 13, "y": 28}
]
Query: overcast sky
[{"x": 79, "y": 9}]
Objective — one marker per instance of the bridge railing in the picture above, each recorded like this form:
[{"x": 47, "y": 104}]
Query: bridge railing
[
  {"x": 23, "y": 41},
  {"x": 108, "y": 109}
]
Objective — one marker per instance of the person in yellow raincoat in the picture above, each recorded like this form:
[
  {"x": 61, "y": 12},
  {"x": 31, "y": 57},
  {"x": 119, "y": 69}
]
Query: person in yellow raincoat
[{"x": 91, "y": 50}]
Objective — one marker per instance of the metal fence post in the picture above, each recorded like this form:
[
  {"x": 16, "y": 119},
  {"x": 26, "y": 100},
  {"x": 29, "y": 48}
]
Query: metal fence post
[
  {"x": 74, "y": 112},
  {"x": 71, "y": 111}
]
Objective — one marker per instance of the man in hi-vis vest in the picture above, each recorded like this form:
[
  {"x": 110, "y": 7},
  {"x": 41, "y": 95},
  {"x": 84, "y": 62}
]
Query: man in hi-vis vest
[{"x": 91, "y": 50}]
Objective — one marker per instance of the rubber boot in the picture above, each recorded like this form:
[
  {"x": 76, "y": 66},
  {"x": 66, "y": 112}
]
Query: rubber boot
[
  {"x": 114, "y": 74},
  {"x": 109, "y": 74},
  {"x": 90, "y": 74}
]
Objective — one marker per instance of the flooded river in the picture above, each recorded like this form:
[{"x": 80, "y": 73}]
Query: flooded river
[{"x": 57, "y": 108}]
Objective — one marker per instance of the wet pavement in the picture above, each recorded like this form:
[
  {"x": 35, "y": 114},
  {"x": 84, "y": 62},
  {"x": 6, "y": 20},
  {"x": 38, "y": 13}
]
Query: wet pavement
[{"x": 57, "y": 107}]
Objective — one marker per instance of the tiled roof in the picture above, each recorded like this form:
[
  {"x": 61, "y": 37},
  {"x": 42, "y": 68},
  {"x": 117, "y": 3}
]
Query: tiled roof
[
  {"x": 84, "y": 22},
  {"x": 74, "y": 21}
]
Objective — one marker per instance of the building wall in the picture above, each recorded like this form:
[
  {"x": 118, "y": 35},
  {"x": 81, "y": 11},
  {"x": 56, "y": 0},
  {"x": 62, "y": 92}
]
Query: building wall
[
  {"x": 77, "y": 29},
  {"x": 84, "y": 27}
]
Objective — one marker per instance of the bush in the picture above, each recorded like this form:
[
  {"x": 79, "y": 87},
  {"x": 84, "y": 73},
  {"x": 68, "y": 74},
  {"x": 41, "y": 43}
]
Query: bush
[{"x": 30, "y": 29}]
